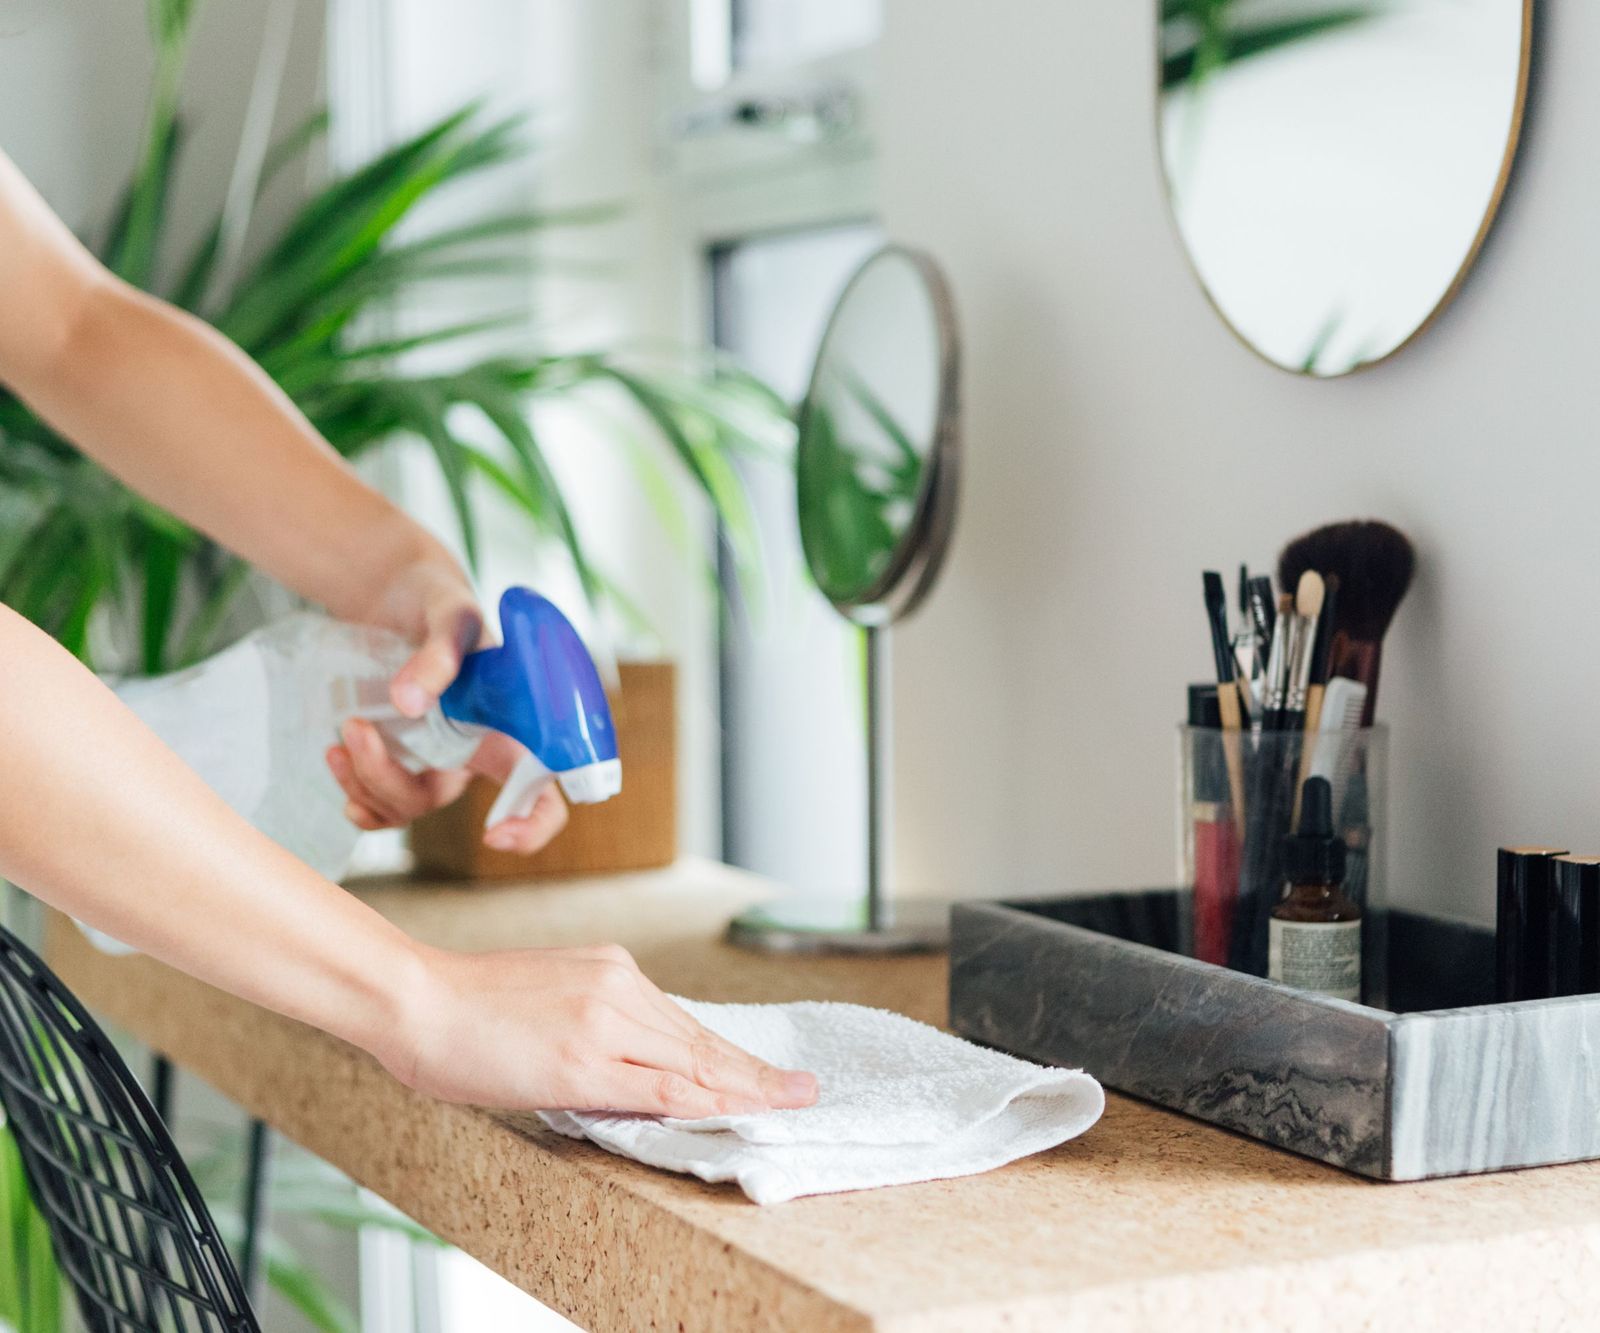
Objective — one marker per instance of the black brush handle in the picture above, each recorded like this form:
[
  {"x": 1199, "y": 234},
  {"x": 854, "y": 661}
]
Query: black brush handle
[{"x": 1276, "y": 763}]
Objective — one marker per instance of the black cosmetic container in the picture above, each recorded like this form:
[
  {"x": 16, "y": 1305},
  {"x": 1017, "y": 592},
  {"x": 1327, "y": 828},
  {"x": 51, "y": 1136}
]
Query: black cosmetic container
[
  {"x": 1576, "y": 927},
  {"x": 1524, "y": 913}
]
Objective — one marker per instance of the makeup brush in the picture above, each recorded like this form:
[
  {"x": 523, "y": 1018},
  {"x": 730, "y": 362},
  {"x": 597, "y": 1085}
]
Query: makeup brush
[
  {"x": 1308, "y": 599},
  {"x": 1227, "y": 689},
  {"x": 1317, "y": 684},
  {"x": 1278, "y": 748},
  {"x": 1309, "y": 604},
  {"x": 1263, "y": 610},
  {"x": 1321, "y": 651},
  {"x": 1276, "y": 693},
  {"x": 1222, "y": 650},
  {"x": 1374, "y": 564},
  {"x": 1244, "y": 641}
]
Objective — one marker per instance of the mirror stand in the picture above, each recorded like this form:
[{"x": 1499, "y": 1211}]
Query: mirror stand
[{"x": 874, "y": 924}]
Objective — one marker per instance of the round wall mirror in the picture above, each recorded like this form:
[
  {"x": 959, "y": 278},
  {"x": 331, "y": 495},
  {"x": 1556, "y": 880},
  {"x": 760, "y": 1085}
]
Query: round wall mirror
[
  {"x": 875, "y": 481},
  {"x": 1333, "y": 165}
]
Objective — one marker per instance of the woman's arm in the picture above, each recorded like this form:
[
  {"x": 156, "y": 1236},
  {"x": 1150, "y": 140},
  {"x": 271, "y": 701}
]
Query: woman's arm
[
  {"x": 181, "y": 415},
  {"x": 100, "y": 819}
]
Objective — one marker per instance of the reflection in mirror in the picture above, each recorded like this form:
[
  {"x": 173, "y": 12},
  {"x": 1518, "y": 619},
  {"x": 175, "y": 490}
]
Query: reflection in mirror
[
  {"x": 869, "y": 433},
  {"x": 1333, "y": 165}
]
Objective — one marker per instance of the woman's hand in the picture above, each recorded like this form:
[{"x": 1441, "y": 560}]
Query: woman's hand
[
  {"x": 432, "y": 604},
  {"x": 575, "y": 1030}
]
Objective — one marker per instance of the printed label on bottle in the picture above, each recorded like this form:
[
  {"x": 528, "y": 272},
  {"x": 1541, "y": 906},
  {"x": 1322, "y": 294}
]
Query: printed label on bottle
[{"x": 1320, "y": 956}]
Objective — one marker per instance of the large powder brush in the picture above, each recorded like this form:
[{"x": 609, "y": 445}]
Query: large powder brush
[{"x": 1374, "y": 564}]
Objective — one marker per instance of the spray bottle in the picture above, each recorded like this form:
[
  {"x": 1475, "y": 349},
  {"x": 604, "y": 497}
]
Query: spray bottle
[{"x": 255, "y": 720}]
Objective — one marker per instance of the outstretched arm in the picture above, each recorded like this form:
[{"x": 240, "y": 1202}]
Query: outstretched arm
[
  {"x": 100, "y": 819},
  {"x": 176, "y": 411}
]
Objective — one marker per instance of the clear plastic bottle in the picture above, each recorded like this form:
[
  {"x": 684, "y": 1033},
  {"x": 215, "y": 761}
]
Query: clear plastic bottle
[{"x": 256, "y": 720}]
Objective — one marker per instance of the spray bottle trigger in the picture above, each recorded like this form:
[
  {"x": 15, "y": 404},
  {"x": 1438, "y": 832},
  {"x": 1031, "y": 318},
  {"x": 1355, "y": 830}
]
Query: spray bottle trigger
[{"x": 521, "y": 790}]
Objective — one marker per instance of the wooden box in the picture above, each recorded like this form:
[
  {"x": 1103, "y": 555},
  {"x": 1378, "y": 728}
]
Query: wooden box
[{"x": 636, "y": 830}]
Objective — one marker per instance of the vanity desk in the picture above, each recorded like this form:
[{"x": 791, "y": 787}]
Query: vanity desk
[{"x": 1150, "y": 1221}]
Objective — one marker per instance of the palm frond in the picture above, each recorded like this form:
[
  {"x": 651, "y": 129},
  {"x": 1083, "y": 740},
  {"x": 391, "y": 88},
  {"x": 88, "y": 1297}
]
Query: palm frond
[
  {"x": 499, "y": 404},
  {"x": 162, "y": 566},
  {"x": 425, "y": 410},
  {"x": 131, "y": 249},
  {"x": 348, "y": 223},
  {"x": 693, "y": 438}
]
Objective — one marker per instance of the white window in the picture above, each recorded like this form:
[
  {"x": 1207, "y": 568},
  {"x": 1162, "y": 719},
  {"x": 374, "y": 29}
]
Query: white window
[{"x": 770, "y": 154}]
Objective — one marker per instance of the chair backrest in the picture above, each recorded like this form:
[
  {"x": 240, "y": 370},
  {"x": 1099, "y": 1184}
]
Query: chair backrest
[{"x": 130, "y": 1231}]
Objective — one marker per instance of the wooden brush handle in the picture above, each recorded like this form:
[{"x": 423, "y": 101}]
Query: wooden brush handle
[
  {"x": 1232, "y": 717},
  {"x": 1308, "y": 746}
]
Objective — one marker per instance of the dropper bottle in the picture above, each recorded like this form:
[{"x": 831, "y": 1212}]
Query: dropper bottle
[{"x": 1314, "y": 935}]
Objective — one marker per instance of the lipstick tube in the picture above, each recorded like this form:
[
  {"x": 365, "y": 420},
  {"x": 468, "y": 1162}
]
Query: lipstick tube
[
  {"x": 1576, "y": 925},
  {"x": 1524, "y": 912}
]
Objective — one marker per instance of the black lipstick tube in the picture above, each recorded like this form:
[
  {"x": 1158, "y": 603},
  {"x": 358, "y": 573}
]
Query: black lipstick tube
[
  {"x": 1524, "y": 912},
  {"x": 1576, "y": 928}
]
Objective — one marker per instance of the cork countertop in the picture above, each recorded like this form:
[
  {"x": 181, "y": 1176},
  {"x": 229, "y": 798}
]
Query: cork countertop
[{"x": 1151, "y": 1221}]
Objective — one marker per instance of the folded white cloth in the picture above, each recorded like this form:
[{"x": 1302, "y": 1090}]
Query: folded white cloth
[{"x": 899, "y": 1102}]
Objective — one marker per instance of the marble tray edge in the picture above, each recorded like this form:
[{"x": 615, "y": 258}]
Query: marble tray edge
[{"x": 1449, "y": 1093}]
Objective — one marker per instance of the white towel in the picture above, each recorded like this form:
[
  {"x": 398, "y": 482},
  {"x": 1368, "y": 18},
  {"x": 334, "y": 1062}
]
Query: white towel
[{"x": 899, "y": 1102}]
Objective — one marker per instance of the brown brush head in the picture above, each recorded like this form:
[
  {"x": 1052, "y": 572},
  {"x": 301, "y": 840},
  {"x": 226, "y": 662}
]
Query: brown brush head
[{"x": 1373, "y": 563}]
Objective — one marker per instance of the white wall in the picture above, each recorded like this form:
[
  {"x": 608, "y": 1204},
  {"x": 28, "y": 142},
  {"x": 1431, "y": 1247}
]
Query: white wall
[{"x": 1119, "y": 440}]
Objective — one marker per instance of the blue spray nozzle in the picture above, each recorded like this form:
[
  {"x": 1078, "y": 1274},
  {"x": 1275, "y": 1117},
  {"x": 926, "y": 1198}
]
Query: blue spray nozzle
[{"x": 540, "y": 687}]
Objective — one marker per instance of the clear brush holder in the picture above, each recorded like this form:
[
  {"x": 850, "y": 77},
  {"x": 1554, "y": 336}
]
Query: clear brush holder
[{"x": 1238, "y": 795}]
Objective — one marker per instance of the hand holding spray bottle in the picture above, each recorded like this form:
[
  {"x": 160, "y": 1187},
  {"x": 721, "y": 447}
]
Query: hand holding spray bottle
[{"x": 255, "y": 720}]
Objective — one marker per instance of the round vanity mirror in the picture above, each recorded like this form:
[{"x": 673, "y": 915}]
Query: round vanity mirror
[
  {"x": 1334, "y": 165},
  {"x": 875, "y": 480},
  {"x": 875, "y": 464}
]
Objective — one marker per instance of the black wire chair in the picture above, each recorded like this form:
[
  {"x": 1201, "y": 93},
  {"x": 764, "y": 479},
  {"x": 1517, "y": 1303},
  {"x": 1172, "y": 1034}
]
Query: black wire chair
[{"x": 130, "y": 1231}]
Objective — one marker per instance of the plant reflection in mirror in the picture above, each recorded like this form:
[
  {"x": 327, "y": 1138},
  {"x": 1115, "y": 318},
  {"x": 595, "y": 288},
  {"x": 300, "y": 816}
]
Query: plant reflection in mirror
[
  {"x": 1200, "y": 37},
  {"x": 857, "y": 495}
]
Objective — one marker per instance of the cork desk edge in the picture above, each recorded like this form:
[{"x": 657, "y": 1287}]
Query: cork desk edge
[
  {"x": 522, "y": 1200},
  {"x": 618, "y": 1246}
]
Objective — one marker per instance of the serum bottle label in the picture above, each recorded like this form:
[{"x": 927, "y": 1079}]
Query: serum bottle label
[{"x": 1319, "y": 956}]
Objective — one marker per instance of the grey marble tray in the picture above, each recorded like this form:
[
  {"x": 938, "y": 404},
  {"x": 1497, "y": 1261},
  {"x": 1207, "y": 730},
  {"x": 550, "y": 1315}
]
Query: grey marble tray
[{"x": 1442, "y": 1082}]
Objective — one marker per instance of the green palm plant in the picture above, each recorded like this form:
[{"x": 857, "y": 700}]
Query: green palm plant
[{"x": 76, "y": 545}]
